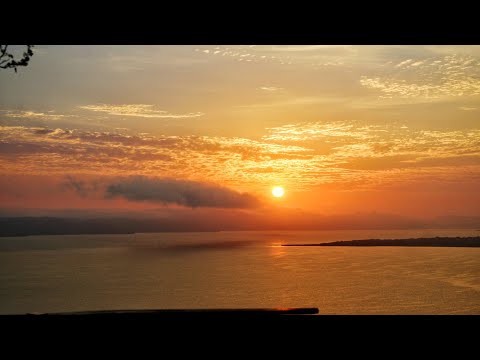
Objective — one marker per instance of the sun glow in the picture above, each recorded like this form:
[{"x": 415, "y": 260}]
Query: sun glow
[{"x": 278, "y": 191}]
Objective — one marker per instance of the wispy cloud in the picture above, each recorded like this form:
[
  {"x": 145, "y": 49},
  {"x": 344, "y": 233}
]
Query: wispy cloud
[
  {"x": 314, "y": 131},
  {"x": 138, "y": 110},
  {"x": 467, "y": 108},
  {"x": 291, "y": 101},
  {"x": 316, "y": 56},
  {"x": 304, "y": 48},
  {"x": 403, "y": 63},
  {"x": 270, "y": 88},
  {"x": 49, "y": 115},
  {"x": 430, "y": 78},
  {"x": 81, "y": 187}
]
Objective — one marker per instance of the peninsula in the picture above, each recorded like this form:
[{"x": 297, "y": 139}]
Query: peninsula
[{"x": 425, "y": 242}]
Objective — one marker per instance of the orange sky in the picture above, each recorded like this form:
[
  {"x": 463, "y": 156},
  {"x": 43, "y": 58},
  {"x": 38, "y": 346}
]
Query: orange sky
[{"x": 344, "y": 129}]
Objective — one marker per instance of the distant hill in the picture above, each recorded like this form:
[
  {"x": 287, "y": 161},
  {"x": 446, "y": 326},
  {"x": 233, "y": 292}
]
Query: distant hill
[
  {"x": 426, "y": 242},
  {"x": 75, "y": 222},
  {"x": 24, "y": 226}
]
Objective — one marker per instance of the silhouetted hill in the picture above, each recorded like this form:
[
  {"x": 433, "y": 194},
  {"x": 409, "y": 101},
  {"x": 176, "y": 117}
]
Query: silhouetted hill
[
  {"x": 429, "y": 242},
  {"x": 23, "y": 226},
  {"x": 187, "y": 220}
]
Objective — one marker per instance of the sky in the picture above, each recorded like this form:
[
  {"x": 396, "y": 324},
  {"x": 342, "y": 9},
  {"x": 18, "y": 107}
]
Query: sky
[{"x": 212, "y": 129}]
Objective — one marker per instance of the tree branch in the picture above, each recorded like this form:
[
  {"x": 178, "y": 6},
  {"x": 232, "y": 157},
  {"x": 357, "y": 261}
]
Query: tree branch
[{"x": 10, "y": 62}]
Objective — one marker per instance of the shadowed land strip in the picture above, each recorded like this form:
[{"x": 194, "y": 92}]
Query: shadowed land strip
[
  {"x": 426, "y": 242},
  {"x": 185, "y": 312}
]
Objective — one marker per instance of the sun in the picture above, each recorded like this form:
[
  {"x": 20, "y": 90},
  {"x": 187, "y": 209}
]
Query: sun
[{"x": 278, "y": 191}]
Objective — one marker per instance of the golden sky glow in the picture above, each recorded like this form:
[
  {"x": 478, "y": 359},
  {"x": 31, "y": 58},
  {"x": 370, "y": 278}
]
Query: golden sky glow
[{"x": 345, "y": 129}]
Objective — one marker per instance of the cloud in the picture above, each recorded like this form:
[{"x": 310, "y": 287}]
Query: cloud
[
  {"x": 138, "y": 110},
  {"x": 316, "y": 56},
  {"x": 301, "y": 155},
  {"x": 292, "y": 101},
  {"x": 403, "y": 63},
  {"x": 366, "y": 155},
  {"x": 270, "y": 88},
  {"x": 466, "y": 108},
  {"x": 231, "y": 161},
  {"x": 49, "y": 115},
  {"x": 180, "y": 192},
  {"x": 81, "y": 187},
  {"x": 353, "y": 138},
  {"x": 430, "y": 78},
  {"x": 313, "y": 131}
]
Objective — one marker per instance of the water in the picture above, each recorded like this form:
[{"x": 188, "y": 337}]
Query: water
[{"x": 238, "y": 269}]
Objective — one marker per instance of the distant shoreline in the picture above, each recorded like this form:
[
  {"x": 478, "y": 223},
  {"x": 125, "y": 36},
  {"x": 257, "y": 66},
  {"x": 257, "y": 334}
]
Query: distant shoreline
[{"x": 424, "y": 242}]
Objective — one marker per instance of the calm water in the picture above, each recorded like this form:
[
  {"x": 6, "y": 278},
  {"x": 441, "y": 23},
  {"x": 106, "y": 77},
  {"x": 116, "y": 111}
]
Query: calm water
[{"x": 238, "y": 269}]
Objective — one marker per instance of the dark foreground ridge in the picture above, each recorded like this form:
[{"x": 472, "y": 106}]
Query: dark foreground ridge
[
  {"x": 426, "y": 242},
  {"x": 178, "y": 313}
]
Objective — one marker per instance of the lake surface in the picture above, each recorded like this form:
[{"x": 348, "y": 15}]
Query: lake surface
[{"x": 236, "y": 270}]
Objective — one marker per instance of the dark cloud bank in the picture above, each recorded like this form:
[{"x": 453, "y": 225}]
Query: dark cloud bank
[
  {"x": 192, "y": 194},
  {"x": 180, "y": 192}
]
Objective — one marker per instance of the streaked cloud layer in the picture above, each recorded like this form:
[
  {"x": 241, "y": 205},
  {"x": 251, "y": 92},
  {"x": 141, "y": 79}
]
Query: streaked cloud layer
[
  {"x": 137, "y": 110},
  {"x": 429, "y": 78},
  {"x": 50, "y": 115},
  {"x": 302, "y": 155}
]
